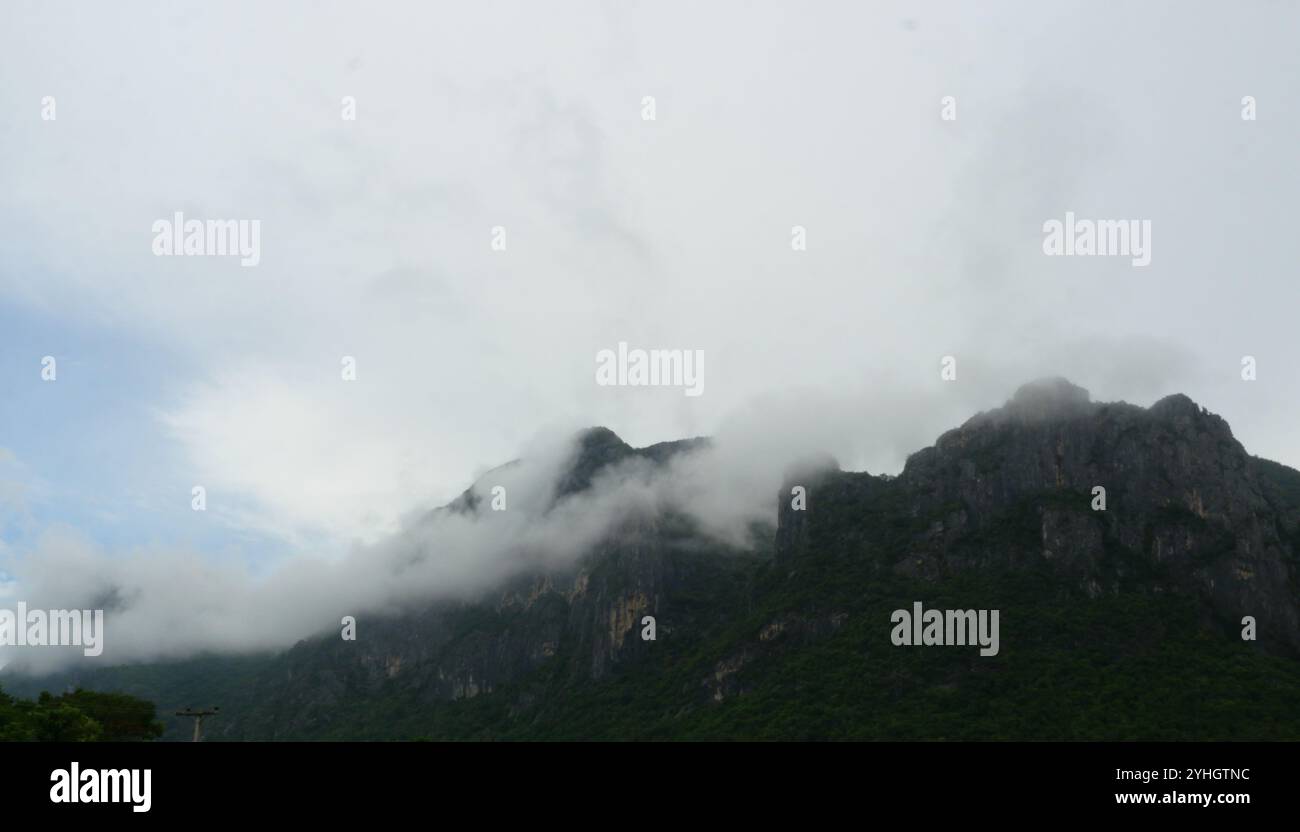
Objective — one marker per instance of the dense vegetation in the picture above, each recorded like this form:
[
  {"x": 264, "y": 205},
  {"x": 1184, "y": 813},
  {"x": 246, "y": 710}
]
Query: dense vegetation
[
  {"x": 80, "y": 716},
  {"x": 1113, "y": 668}
]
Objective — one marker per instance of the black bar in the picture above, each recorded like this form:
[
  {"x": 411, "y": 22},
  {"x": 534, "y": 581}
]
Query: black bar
[{"x": 211, "y": 781}]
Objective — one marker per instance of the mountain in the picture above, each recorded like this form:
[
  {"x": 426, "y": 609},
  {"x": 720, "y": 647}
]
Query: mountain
[{"x": 1122, "y": 622}]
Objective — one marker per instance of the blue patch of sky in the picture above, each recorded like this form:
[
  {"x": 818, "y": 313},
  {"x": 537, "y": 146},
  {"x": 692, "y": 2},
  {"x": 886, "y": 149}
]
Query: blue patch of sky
[{"x": 87, "y": 450}]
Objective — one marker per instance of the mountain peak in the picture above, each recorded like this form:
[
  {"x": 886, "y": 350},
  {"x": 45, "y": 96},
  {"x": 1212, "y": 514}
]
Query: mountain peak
[
  {"x": 1175, "y": 406},
  {"x": 1047, "y": 397},
  {"x": 595, "y": 448},
  {"x": 597, "y": 438}
]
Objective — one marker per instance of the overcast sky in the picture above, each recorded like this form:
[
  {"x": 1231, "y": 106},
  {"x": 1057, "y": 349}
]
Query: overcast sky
[{"x": 924, "y": 240}]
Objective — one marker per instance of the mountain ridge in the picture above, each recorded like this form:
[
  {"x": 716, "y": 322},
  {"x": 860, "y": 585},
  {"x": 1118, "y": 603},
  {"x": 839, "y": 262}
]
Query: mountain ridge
[{"x": 999, "y": 511}]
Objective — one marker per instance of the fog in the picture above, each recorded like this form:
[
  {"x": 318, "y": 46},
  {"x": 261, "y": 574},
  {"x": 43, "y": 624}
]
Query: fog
[{"x": 170, "y": 604}]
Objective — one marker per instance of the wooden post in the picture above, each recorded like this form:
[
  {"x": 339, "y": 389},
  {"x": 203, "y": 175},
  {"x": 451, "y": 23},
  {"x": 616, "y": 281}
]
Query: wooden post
[{"x": 198, "y": 720}]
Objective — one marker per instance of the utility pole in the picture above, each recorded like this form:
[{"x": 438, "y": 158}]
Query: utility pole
[{"x": 198, "y": 720}]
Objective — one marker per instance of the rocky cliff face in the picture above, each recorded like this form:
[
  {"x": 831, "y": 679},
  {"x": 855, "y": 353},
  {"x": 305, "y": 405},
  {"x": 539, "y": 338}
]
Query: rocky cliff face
[
  {"x": 1186, "y": 508},
  {"x": 1187, "y": 511},
  {"x": 587, "y": 617},
  {"x": 999, "y": 512}
]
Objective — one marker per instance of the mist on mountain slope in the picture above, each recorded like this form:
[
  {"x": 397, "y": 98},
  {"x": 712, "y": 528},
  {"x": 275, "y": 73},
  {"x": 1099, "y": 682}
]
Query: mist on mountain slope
[{"x": 168, "y": 604}]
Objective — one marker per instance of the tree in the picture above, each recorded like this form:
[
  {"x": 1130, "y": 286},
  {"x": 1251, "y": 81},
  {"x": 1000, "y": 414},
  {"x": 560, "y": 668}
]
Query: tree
[{"x": 80, "y": 716}]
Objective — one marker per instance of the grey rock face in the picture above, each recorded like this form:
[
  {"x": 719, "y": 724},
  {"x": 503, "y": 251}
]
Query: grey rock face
[
  {"x": 1187, "y": 509},
  {"x": 1187, "y": 512}
]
